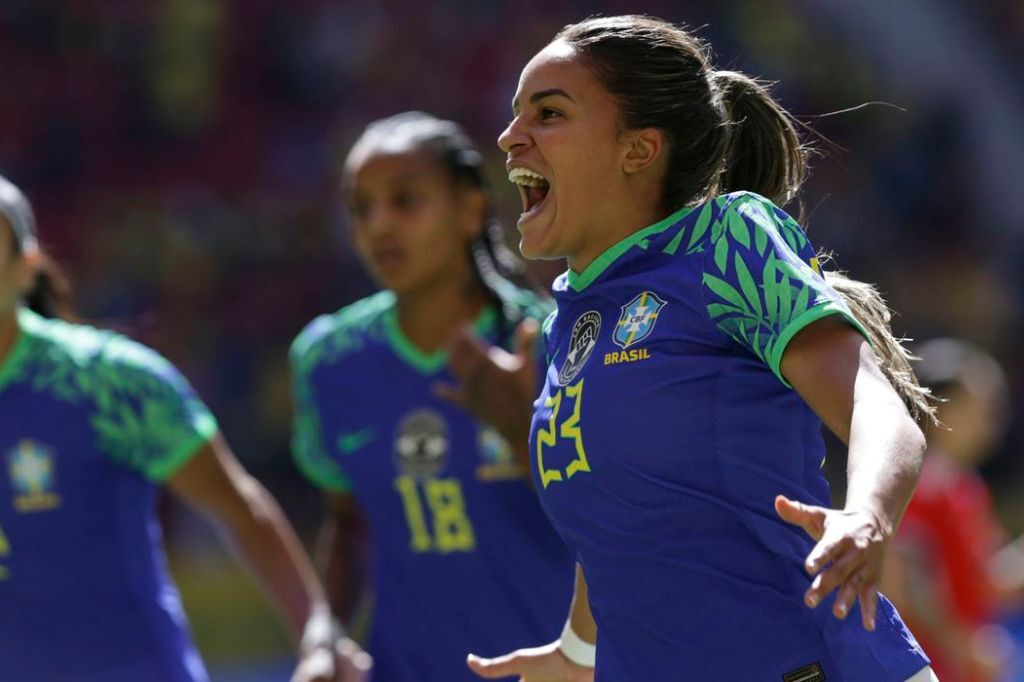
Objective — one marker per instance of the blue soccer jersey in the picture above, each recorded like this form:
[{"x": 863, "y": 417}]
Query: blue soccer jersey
[
  {"x": 463, "y": 558},
  {"x": 662, "y": 436},
  {"x": 90, "y": 424}
]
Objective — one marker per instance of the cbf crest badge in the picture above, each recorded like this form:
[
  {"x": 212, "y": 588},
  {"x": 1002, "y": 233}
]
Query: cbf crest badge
[
  {"x": 637, "y": 320},
  {"x": 33, "y": 473},
  {"x": 582, "y": 342}
]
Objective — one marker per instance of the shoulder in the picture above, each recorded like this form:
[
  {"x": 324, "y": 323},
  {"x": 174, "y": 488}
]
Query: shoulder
[
  {"x": 95, "y": 351},
  {"x": 64, "y": 340},
  {"x": 745, "y": 216},
  {"x": 346, "y": 331}
]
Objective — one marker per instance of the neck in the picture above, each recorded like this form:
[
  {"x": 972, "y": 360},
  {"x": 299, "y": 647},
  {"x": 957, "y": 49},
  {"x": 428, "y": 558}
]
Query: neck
[
  {"x": 430, "y": 316},
  {"x": 8, "y": 333},
  {"x": 630, "y": 212}
]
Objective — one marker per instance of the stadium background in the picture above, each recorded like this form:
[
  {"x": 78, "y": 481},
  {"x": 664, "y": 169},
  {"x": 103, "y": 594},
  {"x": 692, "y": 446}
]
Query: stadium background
[{"x": 182, "y": 156}]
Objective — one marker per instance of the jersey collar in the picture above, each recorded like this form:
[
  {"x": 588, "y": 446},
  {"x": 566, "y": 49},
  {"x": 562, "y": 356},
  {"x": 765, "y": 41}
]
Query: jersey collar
[{"x": 578, "y": 281}]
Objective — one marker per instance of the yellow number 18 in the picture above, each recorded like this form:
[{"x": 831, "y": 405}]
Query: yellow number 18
[{"x": 449, "y": 529}]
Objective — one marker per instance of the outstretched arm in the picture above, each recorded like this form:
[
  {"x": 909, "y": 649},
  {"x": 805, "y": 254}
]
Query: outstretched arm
[
  {"x": 568, "y": 659},
  {"x": 214, "y": 483},
  {"x": 834, "y": 369}
]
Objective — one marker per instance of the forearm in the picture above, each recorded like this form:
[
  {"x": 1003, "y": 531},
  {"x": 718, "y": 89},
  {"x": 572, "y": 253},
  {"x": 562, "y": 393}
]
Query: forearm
[
  {"x": 885, "y": 449},
  {"x": 340, "y": 558},
  {"x": 580, "y": 618},
  {"x": 275, "y": 556}
]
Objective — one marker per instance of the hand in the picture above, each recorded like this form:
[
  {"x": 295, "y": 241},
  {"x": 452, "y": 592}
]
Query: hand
[
  {"x": 848, "y": 557},
  {"x": 496, "y": 386},
  {"x": 540, "y": 664},
  {"x": 345, "y": 663}
]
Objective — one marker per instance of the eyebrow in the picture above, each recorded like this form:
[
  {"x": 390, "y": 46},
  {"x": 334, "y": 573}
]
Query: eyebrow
[{"x": 543, "y": 94}]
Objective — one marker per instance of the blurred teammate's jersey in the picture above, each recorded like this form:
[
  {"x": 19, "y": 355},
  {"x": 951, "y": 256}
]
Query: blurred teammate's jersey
[
  {"x": 463, "y": 558},
  {"x": 90, "y": 424},
  {"x": 662, "y": 436}
]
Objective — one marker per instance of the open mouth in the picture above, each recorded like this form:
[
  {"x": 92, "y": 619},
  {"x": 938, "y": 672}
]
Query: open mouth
[
  {"x": 533, "y": 189},
  {"x": 386, "y": 258}
]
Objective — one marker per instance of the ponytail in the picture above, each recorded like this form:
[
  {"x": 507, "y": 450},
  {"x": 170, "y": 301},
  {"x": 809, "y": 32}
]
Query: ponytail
[
  {"x": 765, "y": 155},
  {"x": 763, "y": 151},
  {"x": 50, "y": 295},
  {"x": 502, "y": 276},
  {"x": 871, "y": 310}
]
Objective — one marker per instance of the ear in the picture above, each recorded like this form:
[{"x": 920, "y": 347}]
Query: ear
[
  {"x": 644, "y": 149},
  {"x": 472, "y": 209}
]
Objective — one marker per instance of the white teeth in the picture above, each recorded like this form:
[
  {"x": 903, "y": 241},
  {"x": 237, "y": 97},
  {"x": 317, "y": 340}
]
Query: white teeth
[{"x": 526, "y": 177}]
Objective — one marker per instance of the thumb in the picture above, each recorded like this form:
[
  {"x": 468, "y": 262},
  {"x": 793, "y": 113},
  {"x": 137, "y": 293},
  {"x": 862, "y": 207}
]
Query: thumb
[
  {"x": 526, "y": 336},
  {"x": 810, "y": 518},
  {"x": 493, "y": 668}
]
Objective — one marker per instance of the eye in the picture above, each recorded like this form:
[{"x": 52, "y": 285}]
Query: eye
[
  {"x": 358, "y": 209},
  {"x": 548, "y": 113},
  {"x": 407, "y": 200}
]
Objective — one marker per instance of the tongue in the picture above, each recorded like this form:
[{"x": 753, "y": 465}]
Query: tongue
[{"x": 535, "y": 195}]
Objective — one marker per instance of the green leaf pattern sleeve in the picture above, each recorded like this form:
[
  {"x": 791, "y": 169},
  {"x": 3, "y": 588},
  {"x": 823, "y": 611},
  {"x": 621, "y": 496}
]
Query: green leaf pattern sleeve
[
  {"x": 307, "y": 436},
  {"x": 761, "y": 280},
  {"x": 147, "y": 416}
]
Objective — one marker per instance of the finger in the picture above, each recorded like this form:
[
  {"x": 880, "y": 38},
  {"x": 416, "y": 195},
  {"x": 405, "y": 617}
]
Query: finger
[
  {"x": 832, "y": 577},
  {"x": 808, "y": 517},
  {"x": 526, "y": 337},
  {"x": 869, "y": 605},
  {"x": 828, "y": 551},
  {"x": 847, "y": 596},
  {"x": 492, "y": 668}
]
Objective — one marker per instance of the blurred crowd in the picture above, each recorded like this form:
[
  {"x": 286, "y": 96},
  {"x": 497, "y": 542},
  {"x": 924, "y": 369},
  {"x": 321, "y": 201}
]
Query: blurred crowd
[{"x": 182, "y": 157}]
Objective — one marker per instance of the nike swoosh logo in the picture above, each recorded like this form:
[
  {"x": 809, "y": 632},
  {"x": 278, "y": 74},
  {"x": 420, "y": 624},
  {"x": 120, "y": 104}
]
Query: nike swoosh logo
[{"x": 350, "y": 442}]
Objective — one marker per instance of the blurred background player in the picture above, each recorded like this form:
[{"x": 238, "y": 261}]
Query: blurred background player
[
  {"x": 951, "y": 572},
  {"x": 92, "y": 425},
  {"x": 461, "y": 553}
]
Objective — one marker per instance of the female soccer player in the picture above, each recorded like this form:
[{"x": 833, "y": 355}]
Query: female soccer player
[
  {"x": 695, "y": 352},
  {"x": 92, "y": 425},
  {"x": 461, "y": 550}
]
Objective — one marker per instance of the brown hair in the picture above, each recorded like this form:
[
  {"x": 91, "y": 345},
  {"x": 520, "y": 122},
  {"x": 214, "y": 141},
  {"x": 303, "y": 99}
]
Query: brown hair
[
  {"x": 50, "y": 294},
  {"x": 725, "y": 133}
]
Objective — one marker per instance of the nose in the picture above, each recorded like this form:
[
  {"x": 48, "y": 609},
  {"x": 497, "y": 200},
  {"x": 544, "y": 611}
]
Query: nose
[
  {"x": 376, "y": 219},
  {"x": 513, "y": 137}
]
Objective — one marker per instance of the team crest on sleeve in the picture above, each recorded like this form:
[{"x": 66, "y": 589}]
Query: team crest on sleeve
[
  {"x": 582, "y": 342},
  {"x": 33, "y": 472},
  {"x": 638, "y": 318}
]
